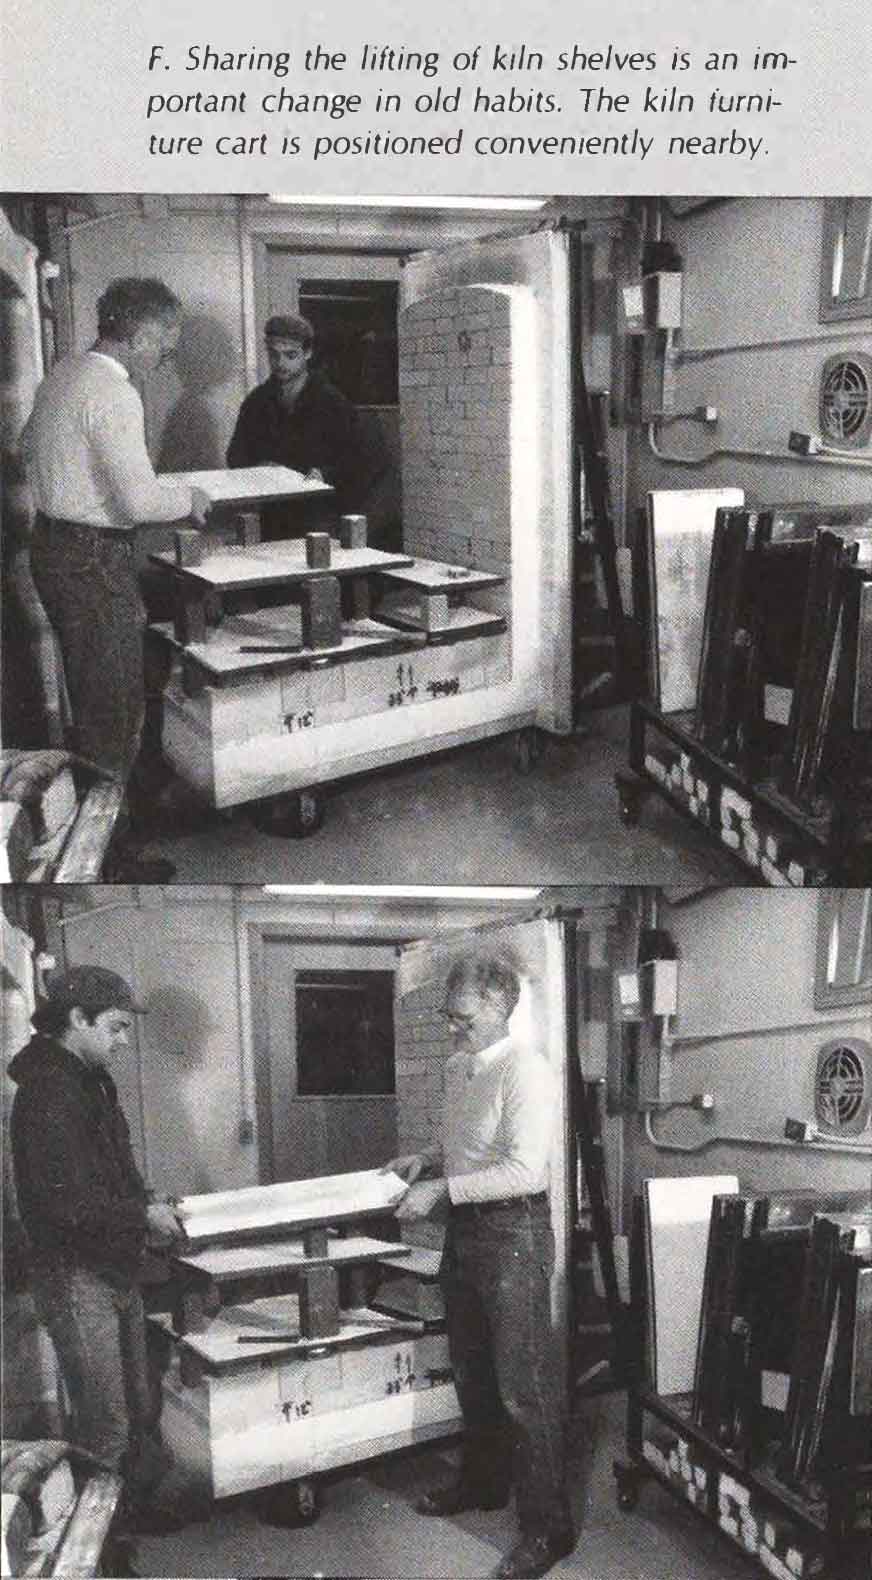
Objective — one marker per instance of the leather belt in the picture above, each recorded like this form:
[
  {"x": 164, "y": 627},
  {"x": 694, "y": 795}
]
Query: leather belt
[
  {"x": 480, "y": 1209},
  {"x": 63, "y": 524}
]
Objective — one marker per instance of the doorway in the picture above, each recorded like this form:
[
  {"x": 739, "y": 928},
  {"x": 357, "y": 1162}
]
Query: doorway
[
  {"x": 325, "y": 1075},
  {"x": 352, "y": 302}
]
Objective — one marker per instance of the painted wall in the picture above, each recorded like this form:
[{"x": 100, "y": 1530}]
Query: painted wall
[
  {"x": 183, "y": 1090},
  {"x": 747, "y": 1031},
  {"x": 751, "y": 283},
  {"x": 191, "y": 404}
]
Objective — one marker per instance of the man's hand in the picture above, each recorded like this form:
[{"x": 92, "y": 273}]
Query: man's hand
[
  {"x": 201, "y": 504},
  {"x": 420, "y": 1200},
  {"x": 409, "y": 1167},
  {"x": 163, "y": 1225}
]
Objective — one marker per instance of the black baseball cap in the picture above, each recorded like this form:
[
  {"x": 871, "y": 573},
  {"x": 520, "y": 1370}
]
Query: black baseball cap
[
  {"x": 90, "y": 988},
  {"x": 289, "y": 326}
]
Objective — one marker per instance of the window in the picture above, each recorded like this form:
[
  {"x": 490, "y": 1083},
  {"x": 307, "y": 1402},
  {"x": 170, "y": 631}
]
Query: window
[
  {"x": 345, "y": 1033},
  {"x": 355, "y": 323},
  {"x": 846, "y": 268},
  {"x": 844, "y": 948}
]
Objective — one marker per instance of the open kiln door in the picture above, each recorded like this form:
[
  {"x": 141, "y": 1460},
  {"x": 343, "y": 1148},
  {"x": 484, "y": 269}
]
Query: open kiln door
[{"x": 485, "y": 415}]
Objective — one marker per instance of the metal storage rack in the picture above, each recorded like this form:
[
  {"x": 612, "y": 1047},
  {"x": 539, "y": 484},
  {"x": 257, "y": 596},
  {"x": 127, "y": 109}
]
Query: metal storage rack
[
  {"x": 768, "y": 835},
  {"x": 820, "y": 1531},
  {"x": 819, "y": 1536}
]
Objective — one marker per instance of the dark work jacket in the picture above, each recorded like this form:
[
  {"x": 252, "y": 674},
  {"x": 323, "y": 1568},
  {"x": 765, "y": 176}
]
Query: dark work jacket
[
  {"x": 323, "y": 430},
  {"x": 80, "y": 1195}
]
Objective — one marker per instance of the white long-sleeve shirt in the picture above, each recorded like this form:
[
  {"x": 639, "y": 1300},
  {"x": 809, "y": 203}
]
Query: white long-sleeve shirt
[
  {"x": 84, "y": 449},
  {"x": 499, "y": 1123}
]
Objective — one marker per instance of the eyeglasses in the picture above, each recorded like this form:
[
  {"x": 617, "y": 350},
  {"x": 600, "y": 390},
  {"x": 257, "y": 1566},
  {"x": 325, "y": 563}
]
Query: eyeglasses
[{"x": 459, "y": 1022}]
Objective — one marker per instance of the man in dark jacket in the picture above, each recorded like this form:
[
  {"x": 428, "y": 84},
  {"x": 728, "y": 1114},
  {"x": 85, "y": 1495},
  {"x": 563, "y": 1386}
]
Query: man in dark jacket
[
  {"x": 297, "y": 418},
  {"x": 88, "y": 1217}
]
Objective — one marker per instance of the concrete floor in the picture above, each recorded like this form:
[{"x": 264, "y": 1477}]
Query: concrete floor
[
  {"x": 368, "y": 1526},
  {"x": 469, "y": 816}
]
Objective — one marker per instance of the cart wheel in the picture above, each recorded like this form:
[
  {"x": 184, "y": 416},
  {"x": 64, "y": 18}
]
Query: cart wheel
[
  {"x": 292, "y": 816},
  {"x": 291, "y": 1504},
  {"x": 528, "y": 749},
  {"x": 631, "y": 794},
  {"x": 309, "y": 811},
  {"x": 627, "y": 1487},
  {"x": 303, "y": 1498}
]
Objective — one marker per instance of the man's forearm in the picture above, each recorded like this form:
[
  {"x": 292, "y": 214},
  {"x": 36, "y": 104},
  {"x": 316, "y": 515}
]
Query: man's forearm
[
  {"x": 145, "y": 498},
  {"x": 433, "y": 1162}
]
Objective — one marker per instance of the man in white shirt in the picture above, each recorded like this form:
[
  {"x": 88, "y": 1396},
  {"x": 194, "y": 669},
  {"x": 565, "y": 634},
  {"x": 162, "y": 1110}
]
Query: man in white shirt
[
  {"x": 491, "y": 1176},
  {"x": 93, "y": 483}
]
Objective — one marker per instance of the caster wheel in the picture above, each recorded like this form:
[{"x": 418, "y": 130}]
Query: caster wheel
[
  {"x": 293, "y": 816},
  {"x": 629, "y": 814},
  {"x": 309, "y": 812},
  {"x": 630, "y": 797},
  {"x": 528, "y": 749},
  {"x": 627, "y": 1487},
  {"x": 291, "y": 1504},
  {"x": 303, "y": 1497}
]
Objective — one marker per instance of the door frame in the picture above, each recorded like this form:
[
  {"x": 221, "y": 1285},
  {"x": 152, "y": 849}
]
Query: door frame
[
  {"x": 255, "y": 277},
  {"x": 259, "y": 934},
  {"x": 263, "y": 1083}
]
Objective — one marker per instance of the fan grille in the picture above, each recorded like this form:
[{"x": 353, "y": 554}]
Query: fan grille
[
  {"x": 843, "y": 1087},
  {"x": 846, "y": 399}
]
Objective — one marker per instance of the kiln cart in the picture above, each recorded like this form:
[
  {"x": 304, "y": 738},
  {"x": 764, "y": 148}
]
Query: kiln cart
[
  {"x": 464, "y": 635},
  {"x": 277, "y": 1367}
]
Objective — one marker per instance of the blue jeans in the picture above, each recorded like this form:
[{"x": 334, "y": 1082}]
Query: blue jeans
[
  {"x": 495, "y": 1276},
  {"x": 87, "y": 582},
  {"x": 98, "y": 1332}
]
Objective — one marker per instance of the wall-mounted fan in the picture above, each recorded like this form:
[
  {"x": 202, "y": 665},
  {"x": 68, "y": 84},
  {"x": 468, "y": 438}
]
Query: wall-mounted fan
[
  {"x": 846, "y": 400},
  {"x": 843, "y": 1086}
]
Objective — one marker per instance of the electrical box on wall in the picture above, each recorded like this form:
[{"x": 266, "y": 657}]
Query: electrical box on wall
[
  {"x": 632, "y": 299},
  {"x": 662, "y": 293},
  {"x": 644, "y": 996},
  {"x": 664, "y": 986},
  {"x": 650, "y": 989},
  {"x": 627, "y": 996}
]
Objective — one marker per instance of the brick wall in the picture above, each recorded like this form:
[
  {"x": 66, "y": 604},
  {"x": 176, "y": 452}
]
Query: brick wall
[
  {"x": 455, "y": 398},
  {"x": 422, "y": 1047}
]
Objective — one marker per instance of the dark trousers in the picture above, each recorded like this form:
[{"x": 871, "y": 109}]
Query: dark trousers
[
  {"x": 86, "y": 579},
  {"x": 495, "y": 1276},
  {"x": 98, "y": 1333}
]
